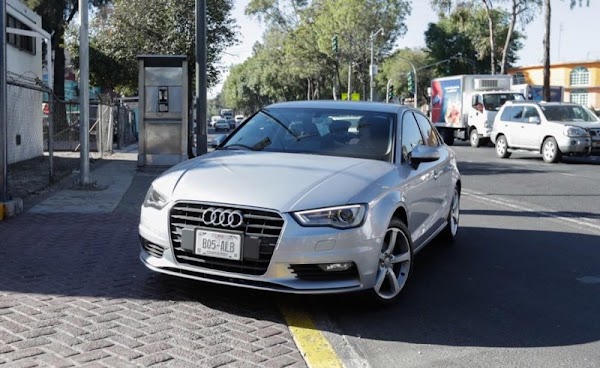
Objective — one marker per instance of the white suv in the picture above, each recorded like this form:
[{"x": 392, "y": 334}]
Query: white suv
[{"x": 552, "y": 129}]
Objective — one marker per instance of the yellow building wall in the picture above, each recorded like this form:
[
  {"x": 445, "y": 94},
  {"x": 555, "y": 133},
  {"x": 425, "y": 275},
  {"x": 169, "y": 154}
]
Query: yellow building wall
[{"x": 560, "y": 75}]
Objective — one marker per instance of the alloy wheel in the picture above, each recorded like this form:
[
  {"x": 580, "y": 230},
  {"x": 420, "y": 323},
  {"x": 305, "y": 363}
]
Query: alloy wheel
[
  {"x": 395, "y": 262},
  {"x": 549, "y": 150},
  {"x": 455, "y": 213}
]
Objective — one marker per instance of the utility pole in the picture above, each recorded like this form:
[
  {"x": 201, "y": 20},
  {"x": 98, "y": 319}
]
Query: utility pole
[
  {"x": 84, "y": 93},
  {"x": 3, "y": 114},
  {"x": 372, "y": 70},
  {"x": 201, "y": 129}
]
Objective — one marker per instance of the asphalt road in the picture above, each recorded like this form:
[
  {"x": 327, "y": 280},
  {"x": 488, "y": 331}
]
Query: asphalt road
[{"x": 520, "y": 287}]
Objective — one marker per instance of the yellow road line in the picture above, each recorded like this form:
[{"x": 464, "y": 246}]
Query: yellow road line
[{"x": 317, "y": 351}]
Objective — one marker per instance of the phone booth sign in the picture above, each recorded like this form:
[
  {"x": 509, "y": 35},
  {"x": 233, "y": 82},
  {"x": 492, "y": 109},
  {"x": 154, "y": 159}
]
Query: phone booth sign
[{"x": 163, "y": 112}]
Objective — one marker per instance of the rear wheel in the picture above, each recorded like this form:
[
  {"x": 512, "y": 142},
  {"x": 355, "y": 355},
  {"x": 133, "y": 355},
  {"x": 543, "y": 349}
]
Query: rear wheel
[
  {"x": 474, "y": 138},
  {"x": 448, "y": 136},
  {"x": 502, "y": 147},
  {"x": 550, "y": 151},
  {"x": 395, "y": 264}
]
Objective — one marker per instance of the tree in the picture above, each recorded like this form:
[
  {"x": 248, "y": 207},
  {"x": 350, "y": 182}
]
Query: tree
[
  {"x": 134, "y": 27},
  {"x": 523, "y": 10},
  {"x": 396, "y": 68},
  {"x": 56, "y": 16},
  {"x": 461, "y": 40},
  {"x": 547, "y": 16},
  {"x": 488, "y": 11}
]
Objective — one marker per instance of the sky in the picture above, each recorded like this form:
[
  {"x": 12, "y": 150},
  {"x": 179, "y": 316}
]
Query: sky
[{"x": 578, "y": 40}]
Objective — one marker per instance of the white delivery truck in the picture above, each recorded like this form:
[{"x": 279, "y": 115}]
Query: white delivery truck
[
  {"x": 536, "y": 92},
  {"x": 464, "y": 106}
]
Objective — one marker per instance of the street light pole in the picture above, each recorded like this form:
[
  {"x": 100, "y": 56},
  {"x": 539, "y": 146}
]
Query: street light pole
[
  {"x": 3, "y": 106},
  {"x": 372, "y": 70},
  {"x": 201, "y": 133},
  {"x": 84, "y": 93}
]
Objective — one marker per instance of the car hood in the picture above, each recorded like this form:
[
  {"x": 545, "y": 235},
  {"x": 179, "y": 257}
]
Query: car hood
[
  {"x": 280, "y": 181},
  {"x": 581, "y": 124}
]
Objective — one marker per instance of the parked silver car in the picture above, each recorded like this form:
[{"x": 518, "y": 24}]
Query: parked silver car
[
  {"x": 296, "y": 200},
  {"x": 553, "y": 129}
]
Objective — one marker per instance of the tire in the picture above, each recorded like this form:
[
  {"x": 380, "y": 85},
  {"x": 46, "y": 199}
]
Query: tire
[
  {"x": 550, "y": 151},
  {"x": 502, "y": 147},
  {"x": 448, "y": 235},
  {"x": 474, "y": 138},
  {"x": 448, "y": 136},
  {"x": 395, "y": 263}
]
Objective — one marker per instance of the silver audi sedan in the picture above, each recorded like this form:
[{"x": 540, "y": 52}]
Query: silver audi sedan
[{"x": 307, "y": 197}]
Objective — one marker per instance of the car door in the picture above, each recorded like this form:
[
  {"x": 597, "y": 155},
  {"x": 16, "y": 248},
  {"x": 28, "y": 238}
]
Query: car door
[
  {"x": 418, "y": 184},
  {"x": 514, "y": 126},
  {"x": 531, "y": 128},
  {"x": 442, "y": 173}
]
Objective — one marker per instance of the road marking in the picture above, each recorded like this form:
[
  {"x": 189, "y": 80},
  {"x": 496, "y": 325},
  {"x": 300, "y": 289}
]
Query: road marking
[
  {"x": 589, "y": 279},
  {"x": 546, "y": 212},
  {"x": 313, "y": 346}
]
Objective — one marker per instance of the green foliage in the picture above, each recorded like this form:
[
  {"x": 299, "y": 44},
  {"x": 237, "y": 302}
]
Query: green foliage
[
  {"x": 307, "y": 46},
  {"x": 463, "y": 38},
  {"x": 167, "y": 27},
  {"x": 397, "y": 68}
]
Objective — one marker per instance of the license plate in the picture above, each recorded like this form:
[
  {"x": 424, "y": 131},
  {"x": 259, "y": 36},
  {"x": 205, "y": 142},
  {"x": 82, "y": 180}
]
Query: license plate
[{"x": 218, "y": 244}]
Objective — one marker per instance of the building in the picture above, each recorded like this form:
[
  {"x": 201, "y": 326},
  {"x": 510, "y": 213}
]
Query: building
[
  {"x": 581, "y": 80},
  {"x": 24, "y": 35}
]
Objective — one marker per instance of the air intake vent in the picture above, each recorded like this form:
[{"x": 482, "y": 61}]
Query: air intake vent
[{"x": 492, "y": 83}]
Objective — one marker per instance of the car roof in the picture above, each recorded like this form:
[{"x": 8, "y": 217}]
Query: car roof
[
  {"x": 343, "y": 105},
  {"x": 539, "y": 103}
]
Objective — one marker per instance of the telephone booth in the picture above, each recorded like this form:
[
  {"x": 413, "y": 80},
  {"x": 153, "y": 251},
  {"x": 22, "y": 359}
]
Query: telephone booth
[{"x": 163, "y": 110}]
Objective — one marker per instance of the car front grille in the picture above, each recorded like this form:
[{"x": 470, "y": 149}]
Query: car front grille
[
  {"x": 154, "y": 250},
  {"x": 312, "y": 272},
  {"x": 261, "y": 230},
  {"x": 595, "y": 132}
]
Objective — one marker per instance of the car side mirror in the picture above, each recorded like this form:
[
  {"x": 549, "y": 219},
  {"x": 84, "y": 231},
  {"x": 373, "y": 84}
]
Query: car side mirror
[
  {"x": 217, "y": 140},
  {"x": 422, "y": 153},
  {"x": 534, "y": 120}
]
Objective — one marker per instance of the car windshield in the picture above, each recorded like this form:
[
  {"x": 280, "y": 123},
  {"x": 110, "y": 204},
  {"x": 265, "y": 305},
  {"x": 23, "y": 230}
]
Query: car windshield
[
  {"x": 494, "y": 101},
  {"x": 568, "y": 113},
  {"x": 348, "y": 133}
]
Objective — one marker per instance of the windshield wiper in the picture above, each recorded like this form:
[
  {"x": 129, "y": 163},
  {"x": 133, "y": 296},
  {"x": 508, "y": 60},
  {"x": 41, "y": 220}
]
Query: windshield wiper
[
  {"x": 238, "y": 146},
  {"x": 257, "y": 147}
]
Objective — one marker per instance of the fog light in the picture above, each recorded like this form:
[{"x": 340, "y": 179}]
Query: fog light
[
  {"x": 573, "y": 143},
  {"x": 333, "y": 267}
]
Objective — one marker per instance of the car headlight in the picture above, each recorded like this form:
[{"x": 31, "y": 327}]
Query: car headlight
[
  {"x": 155, "y": 199},
  {"x": 573, "y": 131},
  {"x": 342, "y": 217}
]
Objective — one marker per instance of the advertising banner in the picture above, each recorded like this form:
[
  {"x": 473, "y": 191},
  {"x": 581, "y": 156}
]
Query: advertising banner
[{"x": 446, "y": 102}]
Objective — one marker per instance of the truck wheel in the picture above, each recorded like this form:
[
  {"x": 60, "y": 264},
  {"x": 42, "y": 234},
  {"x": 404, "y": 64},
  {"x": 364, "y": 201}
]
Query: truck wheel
[
  {"x": 474, "y": 138},
  {"x": 502, "y": 147},
  {"x": 550, "y": 151},
  {"x": 448, "y": 135}
]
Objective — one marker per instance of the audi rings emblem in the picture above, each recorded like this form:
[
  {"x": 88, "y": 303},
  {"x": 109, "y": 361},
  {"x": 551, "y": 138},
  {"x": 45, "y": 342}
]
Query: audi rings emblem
[{"x": 223, "y": 217}]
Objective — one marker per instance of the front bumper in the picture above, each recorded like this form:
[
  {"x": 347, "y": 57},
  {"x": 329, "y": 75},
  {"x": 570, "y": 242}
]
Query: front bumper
[
  {"x": 297, "y": 245},
  {"x": 575, "y": 145}
]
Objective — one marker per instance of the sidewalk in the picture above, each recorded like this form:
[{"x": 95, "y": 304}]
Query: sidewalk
[{"x": 74, "y": 293}]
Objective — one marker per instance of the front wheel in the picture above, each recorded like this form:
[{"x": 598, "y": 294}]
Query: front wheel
[
  {"x": 550, "y": 151},
  {"x": 449, "y": 233},
  {"x": 474, "y": 138},
  {"x": 502, "y": 147},
  {"x": 394, "y": 264}
]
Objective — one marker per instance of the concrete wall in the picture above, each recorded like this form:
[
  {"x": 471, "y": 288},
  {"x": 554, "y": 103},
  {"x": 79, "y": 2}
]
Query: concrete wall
[{"x": 24, "y": 105}]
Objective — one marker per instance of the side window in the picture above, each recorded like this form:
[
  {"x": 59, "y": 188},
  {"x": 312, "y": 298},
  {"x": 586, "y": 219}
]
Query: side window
[
  {"x": 428, "y": 131},
  {"x": 530, "y": 112},
  {"x": 517, "y": 114},
  {"x": 506, "y": 114},
  {"x": 411, "y": 135}
]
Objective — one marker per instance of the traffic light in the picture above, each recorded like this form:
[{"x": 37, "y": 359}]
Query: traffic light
[
  {"x": 411, "y": 82},
  {"x": 334, "y": 44},
  {"x": 390, "y": 95}
]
